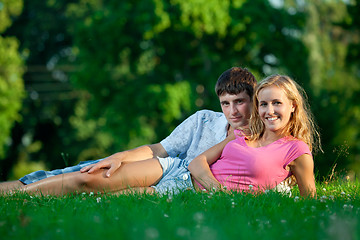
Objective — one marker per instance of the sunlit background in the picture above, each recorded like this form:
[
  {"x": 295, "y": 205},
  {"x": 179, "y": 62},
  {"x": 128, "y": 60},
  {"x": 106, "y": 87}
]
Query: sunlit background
[{"x": 83, "y": 79}]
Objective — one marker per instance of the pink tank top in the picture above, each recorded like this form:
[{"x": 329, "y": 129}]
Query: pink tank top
[{"x": 263, "y": 168}]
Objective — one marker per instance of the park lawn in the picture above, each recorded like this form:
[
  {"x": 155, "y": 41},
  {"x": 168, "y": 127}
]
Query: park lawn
[{"x": 335, "y": 214}]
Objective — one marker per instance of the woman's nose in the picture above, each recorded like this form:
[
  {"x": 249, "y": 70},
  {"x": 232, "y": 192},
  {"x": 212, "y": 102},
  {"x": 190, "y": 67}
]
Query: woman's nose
[{"x": 270, "y": 109}]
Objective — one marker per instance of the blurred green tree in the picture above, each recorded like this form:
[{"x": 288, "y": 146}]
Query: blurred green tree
[
  {"x": 11, "y": 71},
  {"x": 334, "y": 85},
  {"x": 41, "y": 30},
  {"x": 146, "y": 65},
  {"x": 104, "y": 76}
]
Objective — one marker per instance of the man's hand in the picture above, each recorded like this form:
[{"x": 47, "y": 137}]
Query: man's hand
[{"x": 112, "y": 163}]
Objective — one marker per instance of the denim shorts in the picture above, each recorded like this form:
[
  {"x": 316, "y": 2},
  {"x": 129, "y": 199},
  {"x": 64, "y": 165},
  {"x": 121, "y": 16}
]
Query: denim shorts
[
  {"x": 176, "y": 176},
  {"x": 39, "y": 175}
]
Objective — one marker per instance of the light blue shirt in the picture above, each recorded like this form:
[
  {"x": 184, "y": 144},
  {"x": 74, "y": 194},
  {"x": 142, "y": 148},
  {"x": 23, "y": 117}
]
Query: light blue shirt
[{"x": 196, "y": 134}]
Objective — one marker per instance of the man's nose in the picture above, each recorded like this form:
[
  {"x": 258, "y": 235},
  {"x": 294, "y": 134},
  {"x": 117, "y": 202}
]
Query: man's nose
[{"x": 233, "y": 108}]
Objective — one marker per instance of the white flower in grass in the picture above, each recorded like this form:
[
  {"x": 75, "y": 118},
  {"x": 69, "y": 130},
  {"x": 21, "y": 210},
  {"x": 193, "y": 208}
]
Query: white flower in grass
[
  {"x": 199, "y": 217},
  {"x": 342, "y": 193},
  {"x": 331, "y": 197},
  {"x": 83, "y": 193},
  {"x": 182, "y": 232},
  {"x": 91, "y": 194},
  {"x": 251, "y": 187},
  {"x": 296, "y": 198},
  {"x": 324, "y": 189},
  {"x": 350, "y": 207},
  {"x": 204, "y": 190},
  {"x": 323, "y": 198},
  {"x": 151, "y": 233},
  {"x": 98, "y": 199}
]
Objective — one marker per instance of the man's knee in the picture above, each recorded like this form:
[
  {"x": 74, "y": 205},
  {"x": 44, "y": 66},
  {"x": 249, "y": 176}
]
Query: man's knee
[{"x": 87, "y": 181}]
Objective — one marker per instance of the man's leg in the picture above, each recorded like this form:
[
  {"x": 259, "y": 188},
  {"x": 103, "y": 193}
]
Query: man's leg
[
  {"x": 138, "y": 190},
  {"x": 10, "y": 185},
  {"x": 41, "y": 174},
  {"x": 130, "y": 175}
]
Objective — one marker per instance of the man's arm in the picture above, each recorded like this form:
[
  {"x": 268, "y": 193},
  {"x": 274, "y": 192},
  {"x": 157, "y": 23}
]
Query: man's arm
[
  {"x": 177, "y": 142},
  {"x": 114, "y": 161}
]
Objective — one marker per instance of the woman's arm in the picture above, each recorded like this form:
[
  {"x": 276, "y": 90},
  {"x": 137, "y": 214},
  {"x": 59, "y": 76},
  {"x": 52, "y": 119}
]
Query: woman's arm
[
  {"x": 303, "y": 170},
  {"x": 199, "y": 167}
]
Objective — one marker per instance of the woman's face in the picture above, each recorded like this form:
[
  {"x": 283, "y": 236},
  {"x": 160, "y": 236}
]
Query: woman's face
[{"x": 274, "y": 108}]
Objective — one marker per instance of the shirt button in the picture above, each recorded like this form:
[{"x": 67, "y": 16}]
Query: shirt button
[{"x": 185, "y": 177}]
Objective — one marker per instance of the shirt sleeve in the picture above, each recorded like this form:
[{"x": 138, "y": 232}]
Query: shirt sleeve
[
  {"x": 297, "y": 149},
  {"x": 180, "y": 139}
]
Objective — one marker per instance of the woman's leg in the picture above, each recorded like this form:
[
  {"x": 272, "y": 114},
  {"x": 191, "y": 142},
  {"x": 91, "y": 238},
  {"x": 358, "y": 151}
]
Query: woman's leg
[{"x": 130, "y": 175}]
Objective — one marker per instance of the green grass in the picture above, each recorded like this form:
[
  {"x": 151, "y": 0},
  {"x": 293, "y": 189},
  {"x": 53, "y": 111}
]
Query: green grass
[{"x": 335, "y": 214}]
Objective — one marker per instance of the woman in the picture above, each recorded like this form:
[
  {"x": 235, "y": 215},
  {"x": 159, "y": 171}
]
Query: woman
[{"x": 280, "y": 117}]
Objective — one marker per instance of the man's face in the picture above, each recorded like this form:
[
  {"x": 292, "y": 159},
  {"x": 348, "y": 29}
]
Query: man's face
[{"x": 237, "y": 108}]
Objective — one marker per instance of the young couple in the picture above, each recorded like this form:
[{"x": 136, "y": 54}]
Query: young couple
[{"x": 274, "y": 136}]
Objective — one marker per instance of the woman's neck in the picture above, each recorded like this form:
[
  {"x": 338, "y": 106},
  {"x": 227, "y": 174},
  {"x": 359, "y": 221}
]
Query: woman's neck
[
  {"x": 266, "y": 139},
  {"x": 270, "y": 137}
]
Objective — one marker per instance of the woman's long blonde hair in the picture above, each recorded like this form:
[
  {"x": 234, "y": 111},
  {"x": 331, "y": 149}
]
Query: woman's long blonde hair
[{"x": 301, "y": 124}]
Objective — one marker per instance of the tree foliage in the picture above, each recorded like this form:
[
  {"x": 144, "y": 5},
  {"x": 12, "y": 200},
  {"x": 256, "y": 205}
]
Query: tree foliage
[
  {"x": 11, "y": 71},
  {"x": 136, "y": 69},
  {"x": 147, "y": 65},
  {"x": 334, "y": 84}
]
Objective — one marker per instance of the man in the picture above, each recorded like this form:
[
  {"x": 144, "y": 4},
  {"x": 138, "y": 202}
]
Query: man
[{"x": 196, "y": 134}]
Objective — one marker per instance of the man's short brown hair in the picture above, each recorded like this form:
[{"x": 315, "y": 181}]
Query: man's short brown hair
[{"x": 234, "y": 81}]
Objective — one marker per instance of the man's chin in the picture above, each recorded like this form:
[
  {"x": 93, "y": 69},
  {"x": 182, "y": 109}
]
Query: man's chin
[{"x": 237, "y": 125}]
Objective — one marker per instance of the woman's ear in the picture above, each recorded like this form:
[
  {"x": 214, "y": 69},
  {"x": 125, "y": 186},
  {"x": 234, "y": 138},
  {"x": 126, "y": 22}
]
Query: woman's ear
[{"x": 293, "y": 106}]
